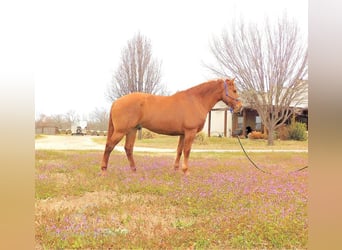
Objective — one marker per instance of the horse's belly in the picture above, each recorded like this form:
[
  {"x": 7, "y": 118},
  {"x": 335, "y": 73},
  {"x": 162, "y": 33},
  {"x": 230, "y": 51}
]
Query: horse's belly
[{"x": 166, "y": 128}]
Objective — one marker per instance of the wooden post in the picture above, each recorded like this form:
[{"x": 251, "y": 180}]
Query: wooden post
[
  {"x": 244, "y": 122},
  {"x": 234, "y": 122},
  {"x": 209, "y": 123},
  {"x": 225, "y": 123}
]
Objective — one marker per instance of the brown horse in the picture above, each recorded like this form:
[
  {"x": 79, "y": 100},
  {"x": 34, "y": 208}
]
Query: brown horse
[{"x": 183, "y": 114}]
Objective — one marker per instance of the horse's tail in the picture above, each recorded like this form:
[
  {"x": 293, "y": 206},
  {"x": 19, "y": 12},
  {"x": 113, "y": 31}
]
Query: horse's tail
[
  {"x": 109, "y": 147},
  {"x": 110, "y": 126}
]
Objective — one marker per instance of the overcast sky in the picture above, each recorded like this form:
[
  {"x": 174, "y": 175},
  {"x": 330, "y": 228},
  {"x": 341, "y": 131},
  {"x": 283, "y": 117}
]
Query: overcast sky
[{"x": 79, "y": 43}]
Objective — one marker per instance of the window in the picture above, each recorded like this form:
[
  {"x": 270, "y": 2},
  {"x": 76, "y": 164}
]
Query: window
[
  {"x": 240, "y": 122},
  {"x": 257, "y": 123}
]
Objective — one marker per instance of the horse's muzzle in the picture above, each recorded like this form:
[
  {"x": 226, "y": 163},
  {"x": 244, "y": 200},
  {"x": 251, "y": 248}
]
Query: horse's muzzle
[{"x": 238, "y": 107}]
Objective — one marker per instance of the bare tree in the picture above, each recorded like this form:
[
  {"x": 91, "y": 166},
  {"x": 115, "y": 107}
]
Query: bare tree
[
  {"x": 138, "y": 71},
  {"x": 42, "y": 120},
  {"x": 269, "y": 64},
  {"x": 71, "y": 117},
  {"x": 56, "y": 120},
  {"x": 60, "y": 121},
  {"x": 99, "y": 118}
]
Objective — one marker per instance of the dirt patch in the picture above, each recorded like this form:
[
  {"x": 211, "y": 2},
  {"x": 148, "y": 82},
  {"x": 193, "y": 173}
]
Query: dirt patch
[
  {"x": 67, "y": 142},
  {"x": 141, "y": 214},
  {"x": 88, "y": 200}
]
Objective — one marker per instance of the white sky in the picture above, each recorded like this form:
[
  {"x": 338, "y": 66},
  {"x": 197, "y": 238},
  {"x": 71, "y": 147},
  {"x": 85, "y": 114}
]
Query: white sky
[{"x": 78, "y": 43}]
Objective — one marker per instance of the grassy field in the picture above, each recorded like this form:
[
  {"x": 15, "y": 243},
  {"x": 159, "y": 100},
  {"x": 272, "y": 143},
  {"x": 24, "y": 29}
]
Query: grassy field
[
  {"x": 224, "y": 203},
  {"x": 163, "y": 141},
  {"x": 39, "y": 136}
]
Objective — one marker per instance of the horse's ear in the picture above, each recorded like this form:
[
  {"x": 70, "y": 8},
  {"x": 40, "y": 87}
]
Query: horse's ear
[{"x": 231, "y": 81}]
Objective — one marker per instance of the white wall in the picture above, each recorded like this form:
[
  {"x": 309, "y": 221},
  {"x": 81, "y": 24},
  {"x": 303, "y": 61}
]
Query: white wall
[{"x": 217, "y": 121}]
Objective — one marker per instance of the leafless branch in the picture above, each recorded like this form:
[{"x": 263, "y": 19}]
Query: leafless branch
[
  {"x": 138, "y": 71},
  {"x": 269, "y": 63}
]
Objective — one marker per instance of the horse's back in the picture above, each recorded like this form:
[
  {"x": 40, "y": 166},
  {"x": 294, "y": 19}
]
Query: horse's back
[
  {"x": 161, "y": 114},
  {"x": 129, "y": 100}
]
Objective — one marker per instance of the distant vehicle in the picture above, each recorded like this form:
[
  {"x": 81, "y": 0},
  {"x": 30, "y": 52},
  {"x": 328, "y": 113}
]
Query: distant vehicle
[{"x": 79, "y": 128}]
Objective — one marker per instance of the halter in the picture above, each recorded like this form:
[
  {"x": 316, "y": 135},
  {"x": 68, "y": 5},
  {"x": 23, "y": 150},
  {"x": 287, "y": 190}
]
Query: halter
[{"x": 226, "y": 90}]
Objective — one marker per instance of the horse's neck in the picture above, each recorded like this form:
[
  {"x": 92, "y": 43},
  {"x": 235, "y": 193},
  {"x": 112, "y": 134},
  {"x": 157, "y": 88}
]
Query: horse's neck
[{"x": 209, "y": 94}]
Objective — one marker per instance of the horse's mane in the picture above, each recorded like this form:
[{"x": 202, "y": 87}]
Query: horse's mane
[{"x": 203, "y": 88}]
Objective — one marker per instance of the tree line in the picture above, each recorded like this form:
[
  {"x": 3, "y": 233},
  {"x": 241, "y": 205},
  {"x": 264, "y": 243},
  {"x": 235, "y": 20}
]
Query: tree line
[{"x": 96, "y": 120}]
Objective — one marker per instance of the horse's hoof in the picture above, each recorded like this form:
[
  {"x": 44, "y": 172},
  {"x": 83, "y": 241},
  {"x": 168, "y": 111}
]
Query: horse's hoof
[
  {"x": 103, "y": 173},
  {"x": 185, "y": 171}
]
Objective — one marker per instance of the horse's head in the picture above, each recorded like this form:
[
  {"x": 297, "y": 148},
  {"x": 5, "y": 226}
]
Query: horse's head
[{"x": 230, "y": 95}]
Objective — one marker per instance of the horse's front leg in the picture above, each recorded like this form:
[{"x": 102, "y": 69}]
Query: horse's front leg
[
  {"x": 179, "y": 151},
  {"x": 129, "y": 144},
  {"x": 189, "y": 137}
]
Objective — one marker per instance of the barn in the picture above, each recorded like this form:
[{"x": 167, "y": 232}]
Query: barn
[{"x": 47, "y": 129}]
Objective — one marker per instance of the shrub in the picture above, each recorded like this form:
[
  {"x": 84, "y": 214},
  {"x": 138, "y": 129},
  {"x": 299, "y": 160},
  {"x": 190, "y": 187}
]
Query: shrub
[
  {"x": 297, "y": 131},
  {"x": 256, "y": 135},
  {"x": 201, "y": 138},
  {"x": 283, "y": 133},
  {"x": 147, "y": 134}
]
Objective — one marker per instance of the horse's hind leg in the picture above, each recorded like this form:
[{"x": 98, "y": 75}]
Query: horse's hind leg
[
  {"x": 130, "y": 139},
  {"x": 179, "y": 151},
  {"x": 112, "y": 140}
]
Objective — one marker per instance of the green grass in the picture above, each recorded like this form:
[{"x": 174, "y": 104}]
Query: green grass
[
  {"x": 225, "y": 203},
  {"x": 39, "y": 136},
  {"x": 163, "y": 141}
]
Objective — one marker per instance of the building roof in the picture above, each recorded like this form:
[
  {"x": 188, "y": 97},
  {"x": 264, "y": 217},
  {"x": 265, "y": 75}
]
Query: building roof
[{"x": 300, "y": 100}]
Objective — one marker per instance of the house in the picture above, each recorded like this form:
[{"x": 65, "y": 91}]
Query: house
[
  {"x": 46, "y": 126},
  {"x": 221, "y": 122},
  {"x": 249, "y": 117},
  {"x": 47, "y": 129}
]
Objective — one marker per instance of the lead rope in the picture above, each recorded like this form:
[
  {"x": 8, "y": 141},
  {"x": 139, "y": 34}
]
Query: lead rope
[
  {"x": 260, "y": 168},
  {"x": 251, "y": 159}
]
